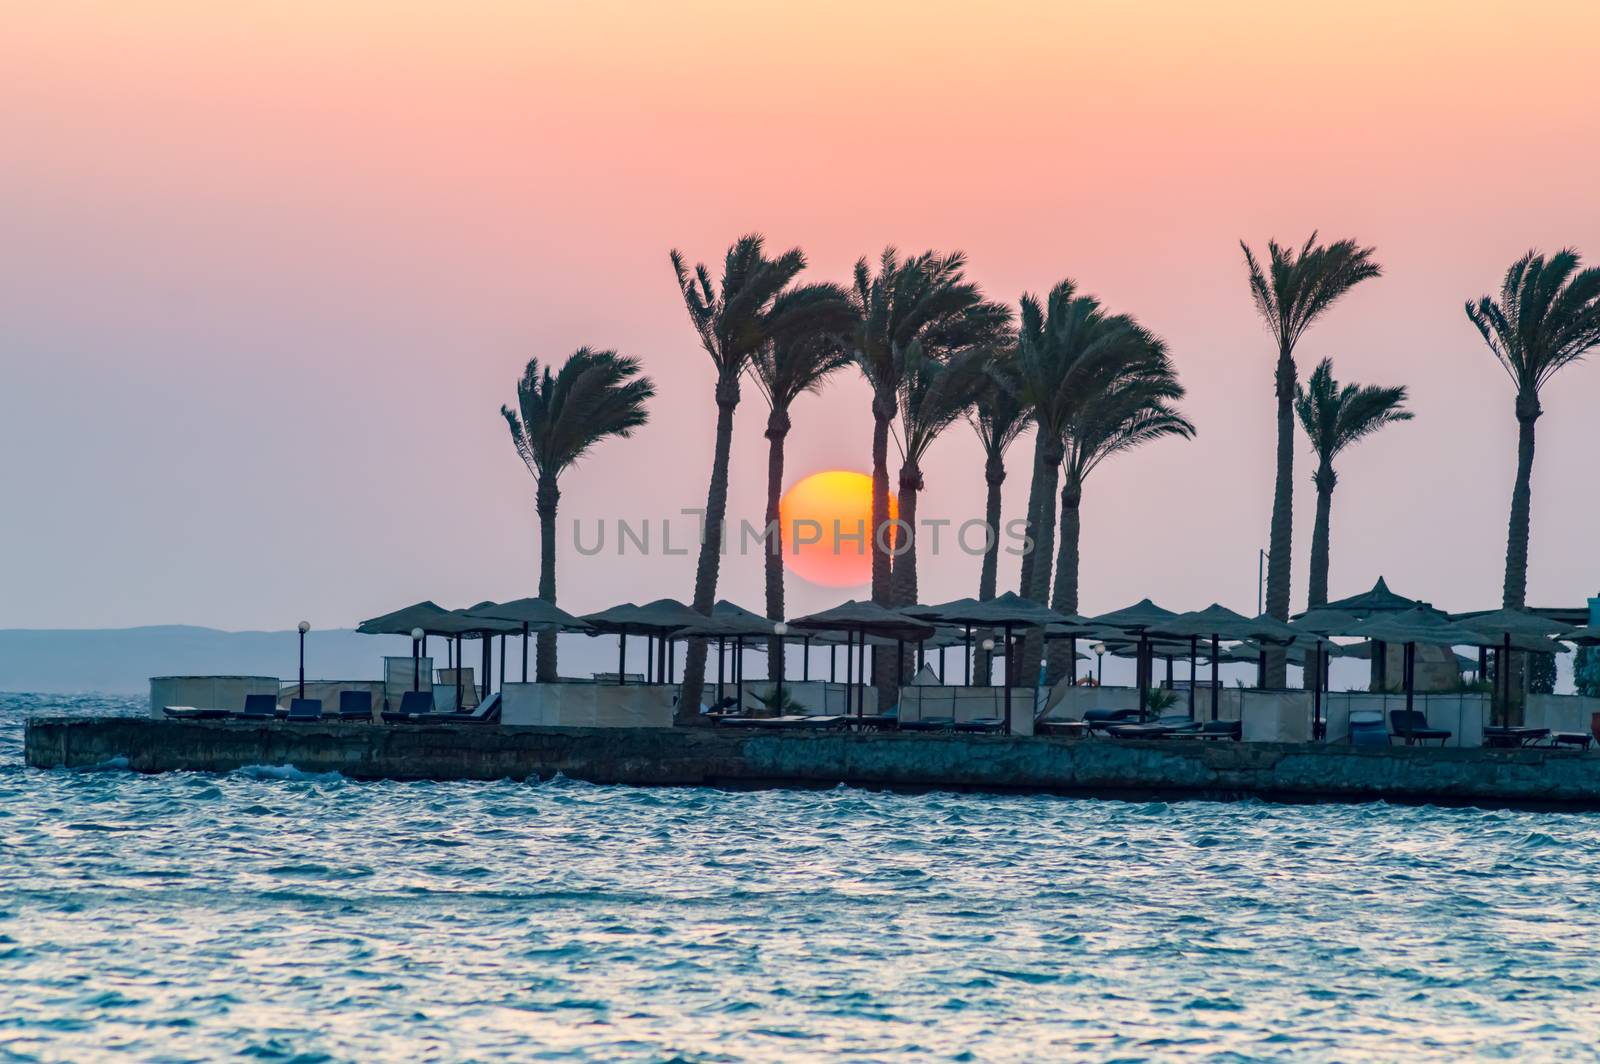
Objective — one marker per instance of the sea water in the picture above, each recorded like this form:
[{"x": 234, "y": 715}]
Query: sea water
[{"x": 273, "y": 915}]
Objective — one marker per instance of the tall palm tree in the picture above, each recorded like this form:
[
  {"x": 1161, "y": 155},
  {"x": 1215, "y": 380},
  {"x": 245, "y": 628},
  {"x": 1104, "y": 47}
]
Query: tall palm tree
[
  {"x": 734, "y": 321},
  {"x": 934, "y": 393},
  {"x": 924, "y": 299},
  {"x": 1335, "y": 416},
  {"x": 1290, "y": 293},
  {"x": 1547, "y": 316},
  {"x": 998, "y": 417},
  {"x": 1136, "y": 406},
  {"x": 783, "y": 370},
  {"x": 1069, "y": 350},
  {"x": 559, "y": 417}
]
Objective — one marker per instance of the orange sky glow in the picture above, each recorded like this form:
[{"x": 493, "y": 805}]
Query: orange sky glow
[{"x": 251, "y": 246}]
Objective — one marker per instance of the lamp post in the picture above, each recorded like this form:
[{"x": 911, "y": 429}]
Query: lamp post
[
  {"x": 305, "y": 626},
  {"x": 988, "y": 648},
  {"x": 416, "y": 658},
  {"x": 780, "y": 630},
  {"x": 1099, "y": 664}
]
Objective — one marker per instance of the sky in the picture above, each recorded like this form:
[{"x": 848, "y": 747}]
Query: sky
[{"x": 270, "y": 270}]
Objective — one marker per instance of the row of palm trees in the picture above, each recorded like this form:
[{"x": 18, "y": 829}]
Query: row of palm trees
[{"x": 1089, "y": 383}]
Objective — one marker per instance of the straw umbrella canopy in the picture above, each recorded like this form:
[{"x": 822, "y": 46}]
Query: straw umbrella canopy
[
  {"x": 1378, "y": 600},
  {"x": 427, "y": 615},
  {"x": 659, "y": 618},
  {"x": 1419, "y": 625},
  {"x": 1138, "y": 619},
  {"x": 864, "y": 619},
  {"x": 535, "y": 615},
  {"x": 1583, "y": 637},
  {"x": 1007, "y": 612},
  {"x": 1216, "y": 623},
  {"x": 1513, "y": 629}
]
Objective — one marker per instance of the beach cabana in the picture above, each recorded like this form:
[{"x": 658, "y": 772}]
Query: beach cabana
[
  {"x": 434, "y": 620},
  {"x": 858, "y": 621},
  {"x": 535, "y": 615},
  {"x": 730, "y": 622}
]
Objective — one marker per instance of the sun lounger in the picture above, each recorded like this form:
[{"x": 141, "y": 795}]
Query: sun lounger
[
  {"x": 1099, "y": 719},
  {"x": 1211, "y": 729},
  {"x": 193, "y": 713},
  {"x": 1412, "y": 726},
  {"x": 258, "y": 707},
  {"x": 1513, "y": 737},
  {"x": 484, "y": 712},
  {"x": 1572, "y": 738},
  {"x": 1366, "y": 728},
  {"x": 302, "y": 710},
  {"x": 355, "y": 706},
  {"x": 980, "y": 725},
  {"x": 413, "y": 704},
  {"x": 1165, "y": 728},
  {"x": 1071, "y": 728},
  {"x": 928, "y": 724}
]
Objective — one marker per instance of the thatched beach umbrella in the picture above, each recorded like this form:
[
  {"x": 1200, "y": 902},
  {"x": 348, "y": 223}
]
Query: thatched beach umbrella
[
  {"x": 1420, "y": 625},
  {"x": 1138, "y": 620},
  {"x": 1006, "y": 612},
  {"x": 1512, "y": 629},
  {"x": 661, "y": 617},
  {"x": 535, "y": 615},
  {"x": 863, "y": 619}
]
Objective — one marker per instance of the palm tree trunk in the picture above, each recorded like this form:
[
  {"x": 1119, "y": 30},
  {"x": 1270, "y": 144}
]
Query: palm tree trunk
[
  {"x": 1515, "y": 594},
  {"x": 777, "y": 432},
  {"x": 882, "y": 413},
  {"x": 705, "y": 574},
  {"x": 1025, "y": 583},
  {"x": 994, "y": 473},
  {"x": 1044, "y": 541},
  {"x": 903, "y": 581},
  {"x": 548, "y": 496},
  {"x": 1065, "y": 599},
  {"x": 1280, "y": 547},
  {"x": 1317, "y": 583}
]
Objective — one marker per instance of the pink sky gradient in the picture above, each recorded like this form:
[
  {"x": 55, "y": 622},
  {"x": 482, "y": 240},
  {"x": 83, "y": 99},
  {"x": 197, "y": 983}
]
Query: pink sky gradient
[{"x": 271, "y": 269}]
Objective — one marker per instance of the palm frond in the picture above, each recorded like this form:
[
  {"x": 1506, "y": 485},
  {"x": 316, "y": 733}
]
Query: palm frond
[{"x": 596, "y": 395}]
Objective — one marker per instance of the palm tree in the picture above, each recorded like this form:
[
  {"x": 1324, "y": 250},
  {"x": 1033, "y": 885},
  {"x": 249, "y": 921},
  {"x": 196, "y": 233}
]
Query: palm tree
[
  {"x": 783, "y": 370},
  {"x": 998, "y": 417},
  {"x": 934, "y": 393},
  {"x": 925, "y": 299},
  {"x": 1069, "y": 350},
  {"x": 1135, "y": 407},
  {"x": 1292, "y": 292},
  {"x": 1547, "y": 316},
  {"x": 1335, "y": 416},
  {"x": 734, "y": 321},
  {"x": 559, "y": 417}
]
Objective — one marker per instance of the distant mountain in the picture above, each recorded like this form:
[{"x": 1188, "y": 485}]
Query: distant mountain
[{"x": 122, "y": 660}]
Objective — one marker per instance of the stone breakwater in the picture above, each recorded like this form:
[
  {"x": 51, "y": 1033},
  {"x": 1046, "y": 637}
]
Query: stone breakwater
[{"x": 707, "y": 757}]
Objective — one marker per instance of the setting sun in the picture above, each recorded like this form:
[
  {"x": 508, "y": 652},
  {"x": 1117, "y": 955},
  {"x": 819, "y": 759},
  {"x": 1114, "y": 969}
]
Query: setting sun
[{"x": 839, "y": 501}]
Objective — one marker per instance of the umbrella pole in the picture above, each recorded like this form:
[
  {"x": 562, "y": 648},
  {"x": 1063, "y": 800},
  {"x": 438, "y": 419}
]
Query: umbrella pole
[
  {"x": 849, "y": 672},
  {"x": 861, "y": 674},
  {"x": 1503, "y": 666},
  {"x": 778, "y": 671},
  {"x": 525, "y": 650},
  {"x": 833, "y": 663},
  {"x": 1410, "y": 665},
  {"x": 488, "y": 665},
  {"x": 1214, "y": 690},
  {"x": 899, "y": 663},
  {"x": 966, "y": 659},
  {"x": 1261, "y": 667},
  {"x": 502, "y": 661},
  {"x": 1316, "y": 698},
  {"x": 1144, "y": 674},
  {"x": 459, "y": 671},
  {"x": 1193, "y": 644},
  {"x": 721, "y": 654},
  {"x": 738, "y": 670},
  {"x": 416, "y": 664},
  {"x": 622, "y": 657},
  {"x": 921, "y": 645},
  {"x": 805, "y": 662},
  {"x": 1009, "y": 656}
]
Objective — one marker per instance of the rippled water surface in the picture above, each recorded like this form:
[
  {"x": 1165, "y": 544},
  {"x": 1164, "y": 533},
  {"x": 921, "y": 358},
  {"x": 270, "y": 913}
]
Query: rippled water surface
[{"x": 273, "y": 916}]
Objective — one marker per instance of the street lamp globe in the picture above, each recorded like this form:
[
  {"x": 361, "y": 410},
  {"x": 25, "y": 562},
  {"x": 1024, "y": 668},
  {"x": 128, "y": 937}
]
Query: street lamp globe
[
  {"x": 780, "y": 629},
  {"x": 304, "y": 626},
  {"x": 988, "y": 644},
  {"x": 417, "y": 634}
]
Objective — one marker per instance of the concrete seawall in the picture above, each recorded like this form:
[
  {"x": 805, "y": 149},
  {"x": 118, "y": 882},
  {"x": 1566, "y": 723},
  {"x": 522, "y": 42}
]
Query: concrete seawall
[{"x": 1172, "y": 769}]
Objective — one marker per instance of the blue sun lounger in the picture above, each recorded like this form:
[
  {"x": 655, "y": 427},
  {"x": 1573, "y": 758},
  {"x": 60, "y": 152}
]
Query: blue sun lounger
[
  {"x": 304, "y": 710},
  {"x": 355, "y": 706},
  {"x": 258, "y": 707}
]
